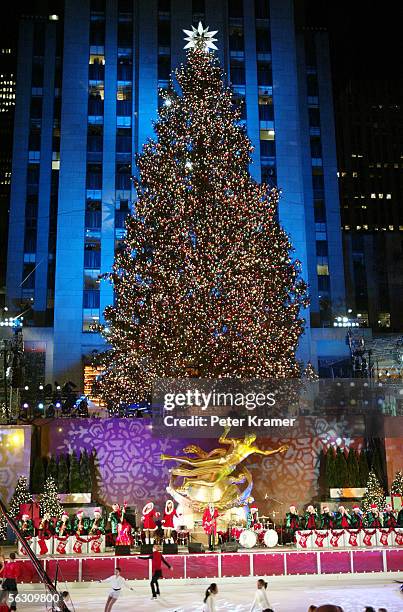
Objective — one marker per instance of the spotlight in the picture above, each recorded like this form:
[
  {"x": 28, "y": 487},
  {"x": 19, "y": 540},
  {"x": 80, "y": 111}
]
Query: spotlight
[
  {"x": 58, "y": 405},
  {"x": 40, "y": 406},
  {"x": 41, "y": 387},
  {"x": 25, "y": 405}
]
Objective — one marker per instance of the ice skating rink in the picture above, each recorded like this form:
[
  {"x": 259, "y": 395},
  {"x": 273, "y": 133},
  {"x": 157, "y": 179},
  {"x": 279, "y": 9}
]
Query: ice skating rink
[{"x": 236, "y": 595}]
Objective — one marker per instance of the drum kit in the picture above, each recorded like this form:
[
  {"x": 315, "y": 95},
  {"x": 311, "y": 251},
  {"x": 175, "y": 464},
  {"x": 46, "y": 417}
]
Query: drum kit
[
  {"x": 249, "y": 538},
  {"x": 262, "y": 532}
]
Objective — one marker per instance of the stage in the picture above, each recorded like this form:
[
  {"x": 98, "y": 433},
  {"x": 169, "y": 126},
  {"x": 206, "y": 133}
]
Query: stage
[{"x": 264, "y": 562}]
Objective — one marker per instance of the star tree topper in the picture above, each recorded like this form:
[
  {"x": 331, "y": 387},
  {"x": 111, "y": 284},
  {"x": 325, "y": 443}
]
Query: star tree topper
[{"x": 200, "y": 37}]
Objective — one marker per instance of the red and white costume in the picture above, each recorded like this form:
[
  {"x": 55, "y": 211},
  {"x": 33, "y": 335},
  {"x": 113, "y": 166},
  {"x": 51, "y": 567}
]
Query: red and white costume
[
  {"x": 210, "y": 516},
  {"x": 168, "y": 520},
  {"x": 149, "y": 517},
  {"x": 169, "y": 515}
]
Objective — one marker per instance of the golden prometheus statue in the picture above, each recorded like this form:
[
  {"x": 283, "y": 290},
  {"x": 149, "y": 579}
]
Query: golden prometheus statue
[{"x": 215, "y": 477}]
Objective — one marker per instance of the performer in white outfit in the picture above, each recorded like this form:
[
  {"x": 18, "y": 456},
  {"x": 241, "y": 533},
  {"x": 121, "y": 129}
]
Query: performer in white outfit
[
  {"x": 117, "y": 582},
  {"x": 261, "y": 602},
  {"x": 209, "y": 598}
]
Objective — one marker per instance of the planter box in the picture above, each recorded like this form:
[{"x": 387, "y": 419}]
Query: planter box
[
  {"x": 78, "y": 499},
  {"x": 347, "y": 493}
]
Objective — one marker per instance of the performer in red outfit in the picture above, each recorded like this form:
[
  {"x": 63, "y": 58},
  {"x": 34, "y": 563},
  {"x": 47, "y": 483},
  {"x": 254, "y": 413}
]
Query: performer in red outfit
[
  {"x": 124, "y": 535},
  {"x": 148, "y": 520},
  {"x": 45, "y": 532},
  {"x": 389, "y": 518},
  {"x": 210, "y": 524},
  {"x": 168, "y": 520},
  {"x": 157, "y": 561},
  {"x": 342, "y": 518},
  {"x": 9, "y": 572},
  {"x": 310, "y": 518}
]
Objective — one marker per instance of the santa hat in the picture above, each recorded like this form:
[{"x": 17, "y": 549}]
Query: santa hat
[
  {"x": 97, "y": 510},
  {"x": 374, "y": 507},
  {"x": 253, "y": 509},
  {"x": 79, "y": 512},
  {"x": 148, "y": 507},
  {"x": 65, "y": 514},
  {"x": 311, "y": 508},
  {"x": 356, "y": 507},
  {"x": 293, "y": 507},
  {"x": 25, "y": 517}
]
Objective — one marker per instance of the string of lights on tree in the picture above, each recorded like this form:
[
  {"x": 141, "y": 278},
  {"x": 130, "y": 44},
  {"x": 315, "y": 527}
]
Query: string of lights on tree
[{"x": 205, "y": 284}]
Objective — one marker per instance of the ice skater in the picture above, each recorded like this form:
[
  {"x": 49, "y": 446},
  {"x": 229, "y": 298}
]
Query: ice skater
[
  {"x": 209, "y": 598},
  {"x": 117, "y": 582},
  {"x": 9, "y": 572},
  {"x": 261, "y": 602},
  {"x": 157, "y": 559}
]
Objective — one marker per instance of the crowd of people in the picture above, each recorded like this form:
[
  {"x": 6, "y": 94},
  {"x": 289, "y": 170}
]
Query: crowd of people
[
  {"x": 343, "y": 518},
  {"x": 259, "y": 602}
]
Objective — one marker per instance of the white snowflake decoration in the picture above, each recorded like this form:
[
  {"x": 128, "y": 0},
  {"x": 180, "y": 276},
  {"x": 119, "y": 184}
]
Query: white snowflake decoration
[{"x": 200, "y": 37}]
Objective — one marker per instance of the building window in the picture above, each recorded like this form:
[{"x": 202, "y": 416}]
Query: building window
[
  {"x": 235, "y": 9},
  {"x": 267, "y": 148},
  {"x": 91, "y": 280},
  {"x": 236, "y": 38},
  {"x": 164, "y": 35},
  {"x": 95, "y": 139},
  {"x": 123, "y": 140},
  {"x": 267, "y": 134},
  {"x": 123, "y": 177},
  {"x": 198, "y": 10},
  {"x": 93, "y": 214},
  {"x": 90, "y": 318},
  {"x": 237, "y": 72},
  {"x": 97, "y": 33},
  {"x": 92, "y": 254},
  {"x": 264, "y": 74},
  {"x": 263, "y": 44},
  {"x": 314, "y": 117},
  {"x": 262, "y": 10},
  {"x": 316, "y": 147},
  {"x": 164, "y": 67},
  {"x": 322, "y": 269},
  {"x": 266, "y": 111},
  {"x": 94, "y": 176},
  {"x": 125, "y": 69},
  {"x": 384, "y": 319}
]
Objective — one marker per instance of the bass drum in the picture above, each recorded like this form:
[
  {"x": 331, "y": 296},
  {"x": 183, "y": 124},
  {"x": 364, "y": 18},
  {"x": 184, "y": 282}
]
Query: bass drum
[
  {"x": 248, "y": 539},
  {"x": 271, "y": 538}
]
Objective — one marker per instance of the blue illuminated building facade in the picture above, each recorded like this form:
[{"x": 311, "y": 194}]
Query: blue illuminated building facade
[{"x": 86, "y": 96}]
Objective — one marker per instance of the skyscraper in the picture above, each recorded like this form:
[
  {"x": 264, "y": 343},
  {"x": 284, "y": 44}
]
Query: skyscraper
[
  {"x": 370, "y": 137},
  {"x": 7, "y": 104},
  {"x": 87, "y": 93}
]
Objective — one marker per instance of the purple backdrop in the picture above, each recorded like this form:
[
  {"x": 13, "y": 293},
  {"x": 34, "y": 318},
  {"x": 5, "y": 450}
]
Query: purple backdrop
[{"x": 127, "y": 456}]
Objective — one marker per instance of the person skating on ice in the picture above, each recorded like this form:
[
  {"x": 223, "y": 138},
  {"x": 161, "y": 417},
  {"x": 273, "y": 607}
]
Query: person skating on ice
[
  {"x": 261, "y": 602},
  {"x": 157, "y": 559},
  {"x": 117, "y": 582},
  {"x": 209, "y": 598}
]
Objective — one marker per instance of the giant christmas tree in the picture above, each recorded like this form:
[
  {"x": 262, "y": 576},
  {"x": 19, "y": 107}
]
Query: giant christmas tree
[{"x": 205, "y": 284}]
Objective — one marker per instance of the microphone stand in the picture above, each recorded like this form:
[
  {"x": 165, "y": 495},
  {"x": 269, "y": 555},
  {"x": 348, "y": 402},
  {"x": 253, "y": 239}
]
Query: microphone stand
[{"x": 278, "y": 501}]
